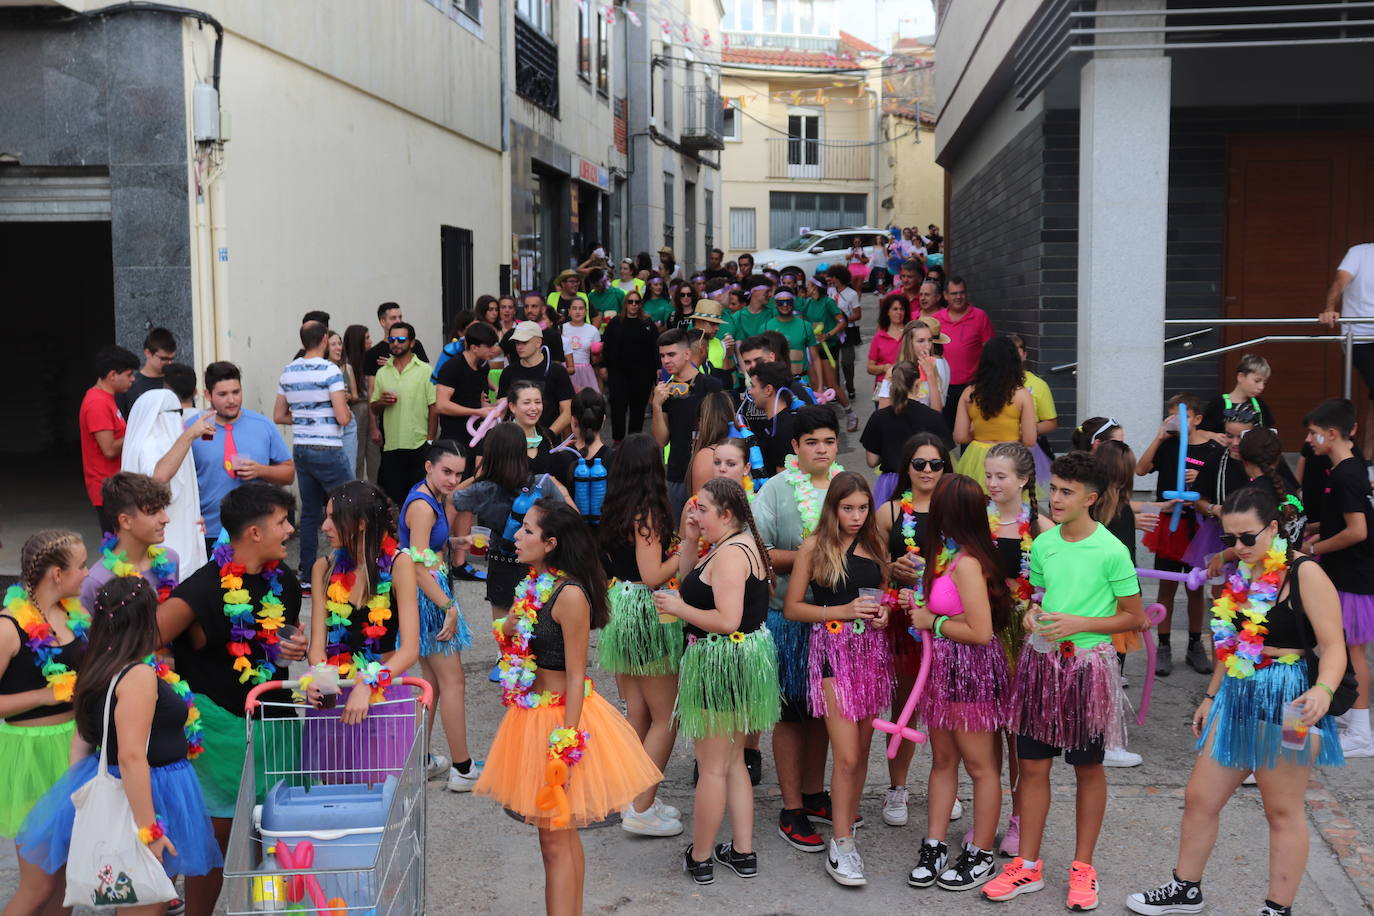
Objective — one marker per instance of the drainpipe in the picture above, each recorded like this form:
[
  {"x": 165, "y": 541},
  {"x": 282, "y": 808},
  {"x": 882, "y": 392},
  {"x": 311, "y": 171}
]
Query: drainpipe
[
  {"x": 204, "y": 319},
  {"x": 219, "y": 261}
]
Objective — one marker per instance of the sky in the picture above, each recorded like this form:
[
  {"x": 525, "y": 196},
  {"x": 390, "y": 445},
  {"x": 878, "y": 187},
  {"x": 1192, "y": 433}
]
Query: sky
[{"x": 910, "y": 17}]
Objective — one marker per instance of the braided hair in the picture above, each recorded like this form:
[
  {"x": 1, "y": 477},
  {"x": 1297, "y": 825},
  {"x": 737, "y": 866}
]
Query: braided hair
[
  {"x": 1023, "y": 463},
  {"x": 730, "y": 497},
  {"x": 1262, "y": 448},
  {"x": 42, "y": 551}
]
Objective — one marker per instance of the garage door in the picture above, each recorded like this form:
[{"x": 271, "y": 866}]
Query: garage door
[
  {"x": 35, "y": 194},
  {"x": 791, "y": 211}
]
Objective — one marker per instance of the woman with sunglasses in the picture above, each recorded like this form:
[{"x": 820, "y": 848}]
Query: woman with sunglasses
[
  {"x": 684, "y": 304},
  {"x": 629, "y": 357},
  {"x": 890, "y": 426},
  {"x": 1240, "y": 723},
  {"x": 657, "y": 305}
]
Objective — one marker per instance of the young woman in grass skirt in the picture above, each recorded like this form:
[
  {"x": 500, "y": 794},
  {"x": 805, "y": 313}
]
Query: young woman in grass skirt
[
  {"x": 562, "y": 757},
  {"x": 151, "y": 729},
  {"x": 635, "y": 533},
  {"x": 728, "y": 679},
  {"x": 850, "y": 665},
  {"x": 1275, "y": 609}
]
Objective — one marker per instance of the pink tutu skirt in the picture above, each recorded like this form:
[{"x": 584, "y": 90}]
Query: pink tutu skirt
[
  {"x": 968, "y": 687},
  {"x": 1069, "y": 697},
  {"x": 1205, "y": 543},
  {"x": 858, "y": 659},
  {"x": 584, "y": 376},
  {"x": 1357, "y": 615}
]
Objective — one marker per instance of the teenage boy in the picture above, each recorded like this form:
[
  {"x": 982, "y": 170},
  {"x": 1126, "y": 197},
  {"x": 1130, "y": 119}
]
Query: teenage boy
[
  {"x": 136, "y": 508},
  {"x": 1090, "y": 592},
  {"x": 799, "y": 741},
  {"x": 1347, "y": 552},
  {"x": 719, "y": 361},
  {"x": 754, "y": 317},
  {"x": 531, "y": 364},
  {"x": 676, "y": 400},
  {"x": 159, "y": 352},
  {"x": 207, "y": 652},
  {"x": 775, "y": 428},
  {"x": 1252, "y": 374},
  {"x": 461, "y": 391},
  {"x": 100, "y": 422},
  {"x": 246, "y": 446},
  {"x": 606, "y": 301},
  {"x": 1161, "y": 457}
]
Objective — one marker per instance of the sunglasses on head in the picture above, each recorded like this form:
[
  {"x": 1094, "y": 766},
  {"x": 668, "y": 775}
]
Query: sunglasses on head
[
  {"x": 935, "y": 464},
  {"x": 1247, "y": 539}
]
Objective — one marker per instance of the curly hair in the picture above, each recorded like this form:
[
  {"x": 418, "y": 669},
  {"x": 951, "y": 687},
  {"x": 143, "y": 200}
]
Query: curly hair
[{"x": 997, "y": 377}]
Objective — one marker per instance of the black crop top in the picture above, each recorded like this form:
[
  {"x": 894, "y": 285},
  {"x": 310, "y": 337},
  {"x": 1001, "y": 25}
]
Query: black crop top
[
  {"x": 862, "y": 573},
  {"x": 22, "y": 674},
  {"x": 1009, "y": 552},
  {"x": 546, "y": 642},
  {"x": 620, "y": 563},
  {"x": 166, "y": 739},
  {"x": 896, "y": 543},
  {"x": 1288, "y": 625},
  {"x": 696, "y": 593}
]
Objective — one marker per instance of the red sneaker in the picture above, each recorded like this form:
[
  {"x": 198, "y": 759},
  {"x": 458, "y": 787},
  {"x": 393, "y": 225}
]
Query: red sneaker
[
  {"x": 1016, "y": 879},
  {"x": 1082, "y": 888}
]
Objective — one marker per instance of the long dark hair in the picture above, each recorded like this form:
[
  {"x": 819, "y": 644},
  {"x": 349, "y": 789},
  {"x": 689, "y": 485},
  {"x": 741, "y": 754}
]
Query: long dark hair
[
  {"x": 958, "y": 511},
  {"x": 828, "y": 561},
  {"x": 354, "y": 353},
  {"x": 589, "y": 409},
  {"x": 1118, "y": 461},
  {"x": 362, "y": 517},
  {"x": 909, "y": 448},
  {"x": 636, "y": 495},
  {"x": 123, "y": 631},
  {"x": 997, "y": 377},
  {"x": 730, "y": 497},
  {"x": 575, "y": 554},
  {"x": 1263, "y": 448},
  {"x": 504, "y": 459}
]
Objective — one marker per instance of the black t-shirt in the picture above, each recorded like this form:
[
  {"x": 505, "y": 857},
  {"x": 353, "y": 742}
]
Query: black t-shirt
[
  {"x": 209, "y": 670},
  {"x": 382, "y": 351},
  {"x": 1222, "y": 476},
  {"x": 1123, "y": 527},
  {"x": 125, "y": 401},
  {"x": 557, "y": 386},
  {"x": 1166, "y": 464},
  {"x": 1352, "y": 568},
  {"x": 563, "y": 464},
  {"x": 553, "y": 339},
  {"x": 716, "y": 273},
  {"x": 681, "y": 414},
  {"x": 1214, "y": 416},
  {"x": 775, "y": 442},
  {"x": 1315, "y": 468},
  {"x": 468, "y": 386},
  {"x": 887, "y": 431},
  {"x": 629, "y": 346}
]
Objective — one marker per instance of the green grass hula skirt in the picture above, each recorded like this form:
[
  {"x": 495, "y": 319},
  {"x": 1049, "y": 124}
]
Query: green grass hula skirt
[
  {"x": 634, "y": 641},
  {"x": 728, "y": 683}
]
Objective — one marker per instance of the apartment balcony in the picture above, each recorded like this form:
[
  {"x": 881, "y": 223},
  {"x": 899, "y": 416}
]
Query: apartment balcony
[
  {"x": 536, "y": 67},
  {"x": 819, "y": 160},
  {"x": 704, "y": 122}
]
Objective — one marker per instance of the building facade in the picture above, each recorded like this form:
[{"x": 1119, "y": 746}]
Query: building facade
[{"x": 911, "y": 187}]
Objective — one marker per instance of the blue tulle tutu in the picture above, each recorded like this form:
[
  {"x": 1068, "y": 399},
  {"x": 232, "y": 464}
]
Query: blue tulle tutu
[
  {"x": 793, "y": 641},
  {"x": 1246, "y": 722},
  {"x": 432, "y": 621},
  {"x": 47, "y": 832}
]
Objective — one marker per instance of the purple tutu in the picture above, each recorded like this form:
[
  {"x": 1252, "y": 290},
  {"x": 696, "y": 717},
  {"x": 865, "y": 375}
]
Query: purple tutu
[
  {"x": 1205, "y": 543},
  {"x": 884, "y": 488},
  {"x": 858, "y": 659},
  {"x": 967, "y": 688},
  {"x": 1069, "y": 700},
  {"x": 1357, "y": 615}
]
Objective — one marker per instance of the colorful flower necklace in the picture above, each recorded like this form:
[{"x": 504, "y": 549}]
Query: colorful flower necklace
[
  {"x": 1022, "y": 593},
  {"x": 908, "y": 507},
  {"x": 339, "y": 603},
  {"x": 517, "y": 662},
  {"x": 162, "y": 568},
  {"x": 942, "y": 563},
  {"x": 43, "y": 643},
  {"x": 193, "y": 729},
  {"x": 1251, "y": 597},
  {"x": 808, "y": 507},
  {"x": 244, "y": 628}
]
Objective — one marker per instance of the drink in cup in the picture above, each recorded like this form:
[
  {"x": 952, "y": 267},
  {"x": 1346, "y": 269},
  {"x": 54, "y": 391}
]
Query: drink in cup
[
  {"x": 667, "y": 618},
  {"x": 327, "y": 683},
  {"x": 1294, "y": 736},
  {"x": 481, "y": 540},
  {"x": 875, "y": 595}
]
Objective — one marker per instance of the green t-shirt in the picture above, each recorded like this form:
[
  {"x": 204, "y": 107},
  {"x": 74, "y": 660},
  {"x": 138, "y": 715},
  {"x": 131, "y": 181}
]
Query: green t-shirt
[
  {"x": 607, "y": 302},
  {"x": 658, "y": 310},
  {"x": 799, "y": 337},
  {"x": 822, "y": 311},
  {"x": 1082, "y": 577},
  {"x": 745, "y": 324},
  {"x": 1041, "y": 396}
]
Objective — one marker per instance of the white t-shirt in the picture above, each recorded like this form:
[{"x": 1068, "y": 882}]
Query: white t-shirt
[
  {"x": 847, "y": 299},
  {"x": 1358, "y": 301},
  {"x": 577, "y": 343}
]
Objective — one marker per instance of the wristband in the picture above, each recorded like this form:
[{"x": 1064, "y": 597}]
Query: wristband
[
  {"x": 448, "y": 607},
  {"x": 153, "y": 832},
  {"x": 939, "y": 622},
  {"x": 1329, "y": 692},
  {"x": 1209, "y": 696},
  {"x": 567, "y": 744},
  {"x": 375, "y": 675}
]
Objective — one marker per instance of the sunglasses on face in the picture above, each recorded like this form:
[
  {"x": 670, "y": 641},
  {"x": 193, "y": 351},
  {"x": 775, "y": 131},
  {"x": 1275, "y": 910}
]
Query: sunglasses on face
[
  {"x": 935, "y": 464},
  {"x": 397, "y": 339},
  {"x": 635, "y": 300},
  {"x": 1247, "y": 539}
]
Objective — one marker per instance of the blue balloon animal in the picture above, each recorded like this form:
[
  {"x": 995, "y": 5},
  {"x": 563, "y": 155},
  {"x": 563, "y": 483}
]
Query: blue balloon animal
[{"x": 1180, "y": 492}]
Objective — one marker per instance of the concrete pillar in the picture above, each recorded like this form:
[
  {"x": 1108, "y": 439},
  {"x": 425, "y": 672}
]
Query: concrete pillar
[{"x": 1123, "y": 208}]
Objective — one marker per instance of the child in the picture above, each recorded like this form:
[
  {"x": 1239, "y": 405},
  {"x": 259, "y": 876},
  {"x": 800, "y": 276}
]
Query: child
[
  {"x": 1067, "y": 696},
  {"x": 581, "y": 342},
  {"x": 1252, "y": 374},
  {"x": 849, "y": 673},
  {"x": 1346, "y": 551},
  {"x": 1219, "y": 478}
]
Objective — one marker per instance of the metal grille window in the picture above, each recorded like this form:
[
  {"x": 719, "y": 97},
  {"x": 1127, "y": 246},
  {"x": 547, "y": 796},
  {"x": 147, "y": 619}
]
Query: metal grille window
[
  {"x": 742, "y": 233},
  {"x": 668, "y": 209},
  {"x": 536, "y": 67},
  {"x": 789, "y": 211},
  {"x": 584, "y": 42}
]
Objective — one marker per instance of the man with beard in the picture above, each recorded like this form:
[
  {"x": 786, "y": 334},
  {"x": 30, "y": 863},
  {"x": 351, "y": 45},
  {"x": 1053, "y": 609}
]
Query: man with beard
[{"x": 403, "y": 406}]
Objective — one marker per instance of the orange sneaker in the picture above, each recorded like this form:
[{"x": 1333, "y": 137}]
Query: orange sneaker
[
  {"x": 1082, "y": 888},
  {"x": 1016, "y": 879}
]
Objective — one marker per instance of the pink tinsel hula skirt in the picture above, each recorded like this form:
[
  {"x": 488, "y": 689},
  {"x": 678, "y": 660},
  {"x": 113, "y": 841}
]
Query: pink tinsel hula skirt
[
  {"x": 858, "y": 659},
  {"x": 968, "y": 687},
  {"x": 1069, "y": 697}
]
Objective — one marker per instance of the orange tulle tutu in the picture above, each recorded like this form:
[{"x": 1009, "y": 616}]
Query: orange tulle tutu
[{"x": 612, "y": 772}]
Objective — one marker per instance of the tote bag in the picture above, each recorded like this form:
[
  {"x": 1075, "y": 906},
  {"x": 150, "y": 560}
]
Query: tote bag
[{"x": 107, "y": 864}]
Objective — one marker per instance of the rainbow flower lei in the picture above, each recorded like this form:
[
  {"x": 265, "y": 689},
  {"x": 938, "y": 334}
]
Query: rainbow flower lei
[
  {"x": 244, "y": 628},
  {"x": 1251, "y": 597},
  {"x": 43, "y": 643},
  {"x": 194, "y": 730},
  {"x": 517, "y": 662},
  {"x": 162, "y": 568},
  {"x": 808, "y": 507},
  {"x": 366, "y": 664},
  {"x": 1022, "y": 593},
  {"x": 908, "y": 507},
  {"x": 567, "y": 744},
  {"x": 942, "y": 563}
]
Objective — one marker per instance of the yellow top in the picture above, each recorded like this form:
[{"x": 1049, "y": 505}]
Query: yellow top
[{"x": 1005, "y": 427}]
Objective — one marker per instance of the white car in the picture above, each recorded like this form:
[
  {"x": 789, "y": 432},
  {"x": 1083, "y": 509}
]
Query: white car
[{"x": 823, "y": 246}]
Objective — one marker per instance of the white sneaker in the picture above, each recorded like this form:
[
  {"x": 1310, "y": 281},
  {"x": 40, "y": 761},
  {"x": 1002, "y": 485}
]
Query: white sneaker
[
  {"x": 648, "y": 823},
  {"x": 957, "y": 811},
  {"x": 463, "y": 782},
  {"x": 851, "y": 422},
  {"x": 667, "y": 810},
  {"x": 1120, "y": 757},
  {"x": 894, "y": 807},
  {"x": 844, "y": 863},
  {"x": 1357, "y": 744},
  {"x": 1249, "y": 780},
  {"x": 438, "y": 766}
]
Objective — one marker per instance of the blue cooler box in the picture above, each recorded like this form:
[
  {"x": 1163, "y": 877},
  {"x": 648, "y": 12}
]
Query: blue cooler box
[{"x": 343, "y": 822}]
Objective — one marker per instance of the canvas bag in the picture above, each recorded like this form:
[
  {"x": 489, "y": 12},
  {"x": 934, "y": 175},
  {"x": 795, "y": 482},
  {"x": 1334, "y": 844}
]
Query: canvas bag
[{"x": 107, "y": 864}]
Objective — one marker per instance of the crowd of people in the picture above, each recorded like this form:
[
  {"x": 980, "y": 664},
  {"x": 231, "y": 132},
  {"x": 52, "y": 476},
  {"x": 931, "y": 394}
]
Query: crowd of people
[{"x": 743, "y": 583}]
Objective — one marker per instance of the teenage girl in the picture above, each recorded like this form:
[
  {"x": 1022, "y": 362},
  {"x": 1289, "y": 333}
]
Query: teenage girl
[
  {"x": 849, "y": 667},
  {"x": 1219, "y": 478},
  {"x": 715, "y": 419},
  {"x": 580, "y": 341},
  {"x": 526, "y": 400},
  {"x": 588, "y": 416}
]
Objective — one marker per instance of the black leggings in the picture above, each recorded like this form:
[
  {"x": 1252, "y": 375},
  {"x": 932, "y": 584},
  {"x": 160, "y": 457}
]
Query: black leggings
[{"x": 628, "y": 393}]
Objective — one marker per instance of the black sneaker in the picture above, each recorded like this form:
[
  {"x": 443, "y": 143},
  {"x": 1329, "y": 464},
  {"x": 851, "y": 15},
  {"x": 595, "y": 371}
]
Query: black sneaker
[
  {"x": 796, "y": 828},
  {"x": 819, "y": 809},
  {"x": 701, "y": 872},
  {"x": 469, "y": 573},
  {"x": 744, "y": 864},
  {"x": 753, "y": 762},
  {"x": 929, "y": 864},
  {"x": 1271, "y": 908},
  {"x": 1174, "y": 897},
  {"x": 974, "y": 868}
]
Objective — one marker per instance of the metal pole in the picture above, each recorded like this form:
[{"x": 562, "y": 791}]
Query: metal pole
[{"x": 1348, "y": 346}]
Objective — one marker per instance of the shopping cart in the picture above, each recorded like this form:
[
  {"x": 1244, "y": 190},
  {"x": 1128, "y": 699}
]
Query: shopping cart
[{"x": 330, "y": 817}]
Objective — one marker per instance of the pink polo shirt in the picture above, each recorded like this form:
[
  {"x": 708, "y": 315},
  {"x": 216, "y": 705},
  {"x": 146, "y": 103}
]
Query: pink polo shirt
[
  {"x": 883, "y": 349},
  {"x": 966, "y": 338}
]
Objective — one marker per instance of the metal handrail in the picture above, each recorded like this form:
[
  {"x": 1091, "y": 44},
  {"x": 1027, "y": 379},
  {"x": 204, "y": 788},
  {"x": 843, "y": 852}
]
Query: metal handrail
[{"x": 1054, "y": 370}]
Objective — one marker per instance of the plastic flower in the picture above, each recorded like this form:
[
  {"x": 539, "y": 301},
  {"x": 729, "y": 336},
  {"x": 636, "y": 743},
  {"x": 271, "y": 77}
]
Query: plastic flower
[
  {"x": 737, "y": 637},
  {"x": 834, "y": 626}
]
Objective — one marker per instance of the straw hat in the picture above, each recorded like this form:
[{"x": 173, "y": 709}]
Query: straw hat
[
  {"x": 934, "y": 324},
  {"x": 708, "y": 310}
]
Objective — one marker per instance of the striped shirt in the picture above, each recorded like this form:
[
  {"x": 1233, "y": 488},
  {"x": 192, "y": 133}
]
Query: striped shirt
[{"x": 306, "y": 384}]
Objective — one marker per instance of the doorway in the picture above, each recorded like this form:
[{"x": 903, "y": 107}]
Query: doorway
[
  {"x": 455, "y": 252},
  {"x": 689, "y": 214}
]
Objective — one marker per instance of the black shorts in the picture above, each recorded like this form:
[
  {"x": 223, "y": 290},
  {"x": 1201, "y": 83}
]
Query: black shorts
[
  {"x": 796, "y": 710},
  {"x": 1030, "y": 749},
  {"x": 1164, "y": 564},
  {"x": 502, "y": 578},
  {"x": 1362, "y": 357}
]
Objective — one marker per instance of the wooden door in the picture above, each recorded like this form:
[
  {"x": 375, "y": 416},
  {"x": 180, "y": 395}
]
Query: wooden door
[{"x": 1295, "y": 203}]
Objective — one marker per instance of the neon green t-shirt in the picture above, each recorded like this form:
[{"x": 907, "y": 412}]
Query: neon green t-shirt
[
  {"x": 1041, "y": 396},
  {"x": 745, "y": 324},
  {"x": 607, "y": 302},
  {"x": 799, "y": 338},
  {"x": 659, "y": 310},
  {"x": 1082, "y": 577}
]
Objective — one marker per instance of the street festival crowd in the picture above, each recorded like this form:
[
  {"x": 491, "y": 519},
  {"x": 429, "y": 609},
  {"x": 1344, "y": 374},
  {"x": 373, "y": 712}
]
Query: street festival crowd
[{"x": 741, "y": 583}]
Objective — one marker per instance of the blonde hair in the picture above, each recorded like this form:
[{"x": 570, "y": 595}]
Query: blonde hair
[
  {"x": 828, "y": 562},
  {"x": 44, "y": 550},
  {"x": 1023, "y": 463}
]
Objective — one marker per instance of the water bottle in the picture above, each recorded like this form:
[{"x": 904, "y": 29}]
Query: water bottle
[
  {"x": 582, "y": 487},
  {"x": 517, "y": 512},
  {"x": 741, "y": 431},
  {"x": 1038, "y": 642},
  {"x": 598, "y": 487}
]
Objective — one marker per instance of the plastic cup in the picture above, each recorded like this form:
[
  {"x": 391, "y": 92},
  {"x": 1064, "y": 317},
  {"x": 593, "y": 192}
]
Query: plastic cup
[
  {"x": 481, "y": 540},
  {"x": 874, "y": 595},
  {"x": 326, "y": 681},
  {"x": 1294, "y": 736},
  {"x": 668, "y": 618}
]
